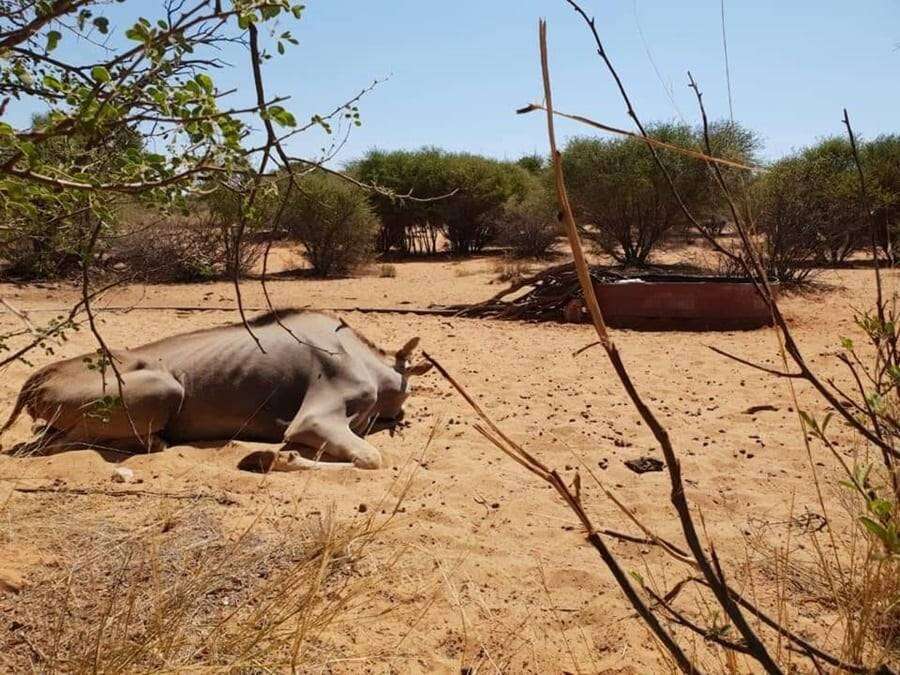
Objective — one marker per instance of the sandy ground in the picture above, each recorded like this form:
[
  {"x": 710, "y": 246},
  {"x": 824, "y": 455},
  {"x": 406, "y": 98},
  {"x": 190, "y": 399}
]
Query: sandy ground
[{"x": 482, "y": 567}]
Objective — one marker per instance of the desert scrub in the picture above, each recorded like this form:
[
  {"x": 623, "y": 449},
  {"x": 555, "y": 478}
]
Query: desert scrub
[
  {"x": 334, "y": 223},
  {"x": 510, "y": 271}
]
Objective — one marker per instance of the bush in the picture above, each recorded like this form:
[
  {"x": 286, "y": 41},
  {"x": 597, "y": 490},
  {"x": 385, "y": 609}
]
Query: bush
[
  {"x": 881, "y": 163},
  {"x": 41, "y": 247},
  {"x": 790, "y": 236},
  {"x": 528, "y": 226},
  {"x": 728, "y": 140},
  {"x": 407, "y": 227},
  {"x": 534, "y": 164},
  {"x": 466, "y": 219},
  {"x": 40, "y": 237},
  {"x": 334, "y": 222},
  {"x": 510, "y": 272},
  {"x": 617, "y": 189},
  {"x": 179, "y": 250},
  {"x": 485, "y": 186},
  {"x": 830, "y": 195},
  {"x": 809, "y": 205}
]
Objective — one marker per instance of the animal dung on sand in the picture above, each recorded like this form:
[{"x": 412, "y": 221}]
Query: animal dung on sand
[{"x": 644, "y": 464}]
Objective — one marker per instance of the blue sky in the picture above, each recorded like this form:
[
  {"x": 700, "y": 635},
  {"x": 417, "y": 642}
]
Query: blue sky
[{"x": 459, "y": 69}]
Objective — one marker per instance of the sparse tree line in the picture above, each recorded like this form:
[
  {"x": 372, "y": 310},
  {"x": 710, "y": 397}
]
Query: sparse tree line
[{"x": 805, "y": 207}]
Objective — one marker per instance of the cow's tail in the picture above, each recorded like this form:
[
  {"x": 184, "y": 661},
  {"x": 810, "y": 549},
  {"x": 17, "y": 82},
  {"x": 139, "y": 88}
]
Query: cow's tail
[
  {"x": 17, "y": 410},
  {"x": 21, "y": 402}
]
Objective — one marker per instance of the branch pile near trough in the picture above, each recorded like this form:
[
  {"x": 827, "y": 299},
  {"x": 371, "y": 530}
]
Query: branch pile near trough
[{"x": 547, "y": 296}]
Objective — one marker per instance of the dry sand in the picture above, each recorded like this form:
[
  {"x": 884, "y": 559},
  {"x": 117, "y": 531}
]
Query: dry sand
[{"x": 483, "y": 566}]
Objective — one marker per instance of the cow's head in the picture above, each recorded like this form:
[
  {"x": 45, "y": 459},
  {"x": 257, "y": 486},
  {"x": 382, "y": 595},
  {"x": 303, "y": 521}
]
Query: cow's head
[{"x": 390, "y": 403}]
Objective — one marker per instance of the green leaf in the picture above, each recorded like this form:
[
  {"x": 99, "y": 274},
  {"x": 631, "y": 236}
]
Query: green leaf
[
  {"x": 281, "y": 116},
  {"x": 847, "y": 344},
  {"x": 53, "y": 38},
  {"x": 882, "y": 508},
  {"x": 100, "y": 74},
  {"x": 269, "y": 12},
  {"x": 809, "y": 420},
  {"x": 101, "y": 23},
  {"x": 205, "y": 81},
  {"x": 875, "y": 528},
  {"x": 52, "y": 83}
]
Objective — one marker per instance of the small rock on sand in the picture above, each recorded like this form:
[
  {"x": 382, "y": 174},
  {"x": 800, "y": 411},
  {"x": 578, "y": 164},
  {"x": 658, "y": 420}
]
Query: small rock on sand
[{"x": 122, "y": 474}]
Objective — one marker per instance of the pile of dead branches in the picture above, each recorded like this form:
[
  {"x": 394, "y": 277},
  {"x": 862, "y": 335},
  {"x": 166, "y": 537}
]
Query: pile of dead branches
[{"x": 547, "y": 296}]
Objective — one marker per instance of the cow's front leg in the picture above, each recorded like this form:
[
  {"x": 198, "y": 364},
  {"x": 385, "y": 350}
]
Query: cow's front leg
[
  {"x": 328, "y": 417},
  {"x": 332, "y": 435}
]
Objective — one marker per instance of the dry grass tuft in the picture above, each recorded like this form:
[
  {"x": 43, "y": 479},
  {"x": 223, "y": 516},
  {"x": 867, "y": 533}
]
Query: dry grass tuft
[
  {"x": 853, "y": 586},
  {"x": 506, "y": 271},
  {"x": 177, "y": 591}
]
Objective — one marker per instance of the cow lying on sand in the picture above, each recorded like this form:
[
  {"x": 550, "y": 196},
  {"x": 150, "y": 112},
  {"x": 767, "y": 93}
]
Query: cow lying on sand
[{"x": 318, "y": 385}]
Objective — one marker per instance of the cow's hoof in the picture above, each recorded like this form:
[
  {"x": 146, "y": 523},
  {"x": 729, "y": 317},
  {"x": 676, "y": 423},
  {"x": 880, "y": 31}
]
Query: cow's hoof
[
  {"x": 289, "y": 461},
  {"x": 368, "y": 461}
]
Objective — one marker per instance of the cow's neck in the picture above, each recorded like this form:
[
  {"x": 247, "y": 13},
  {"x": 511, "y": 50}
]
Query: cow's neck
[{"x": 386, "y": 377}]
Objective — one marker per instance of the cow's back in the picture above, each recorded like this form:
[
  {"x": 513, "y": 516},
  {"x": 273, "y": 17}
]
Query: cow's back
[{"x": 235, "y": 389}]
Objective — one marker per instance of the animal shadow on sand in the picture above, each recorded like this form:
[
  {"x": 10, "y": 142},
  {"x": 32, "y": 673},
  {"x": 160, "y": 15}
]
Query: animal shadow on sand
[{"x": 262, "y": 459}]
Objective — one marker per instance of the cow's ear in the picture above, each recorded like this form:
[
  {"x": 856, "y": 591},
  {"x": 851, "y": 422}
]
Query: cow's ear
[
  {"x": 406, "y": 351},
  {"x": 420, "y": 368}
]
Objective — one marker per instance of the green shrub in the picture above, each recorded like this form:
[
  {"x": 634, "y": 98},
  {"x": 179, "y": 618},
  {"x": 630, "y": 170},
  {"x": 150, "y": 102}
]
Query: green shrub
[
  {"x": 728, "y": 140},
  {"x": 790, "y": 237},
  {"x": 830, "y": 196},
  {"x": 881, "y": 162},
  {"x": 529, "y": 225},
  {"x": 534, "y": 164},
  {"x": 809, "y": 208},
  {"x": 623, "y": 198},
  {"x": 485, "y": 186},
  {"x": 406, "y": 226},
  {"x": 334, "y": 222},
  {"x": 467, "y": 219}
]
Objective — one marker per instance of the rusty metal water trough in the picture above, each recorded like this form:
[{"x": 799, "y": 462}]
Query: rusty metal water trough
[
  {"x": 680, "y": 302},
  {"x": 649, "y": 301}
]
